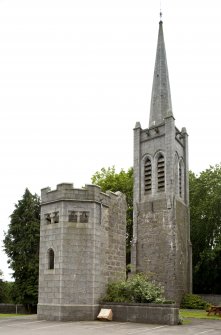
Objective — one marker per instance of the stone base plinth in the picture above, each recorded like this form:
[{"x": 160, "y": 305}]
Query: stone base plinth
[
  {"x": 167, "y": 314},
  {"x": 68, "y": 312}
]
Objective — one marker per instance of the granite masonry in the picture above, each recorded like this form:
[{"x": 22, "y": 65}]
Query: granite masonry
[
  {"x": 161, "y": 235},
  {"x": 82, "y": 248},
  {"x": 82, "y": 238}
]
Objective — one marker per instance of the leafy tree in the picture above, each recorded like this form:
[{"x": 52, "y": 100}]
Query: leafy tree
[
  {"x": 21, "y": 244},
  {"x": 108, "y": 179},
  {"x": 205, "y": 218}
]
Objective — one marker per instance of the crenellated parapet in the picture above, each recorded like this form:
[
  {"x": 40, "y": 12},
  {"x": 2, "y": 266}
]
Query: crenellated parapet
[{"x": 66, "y": 192}]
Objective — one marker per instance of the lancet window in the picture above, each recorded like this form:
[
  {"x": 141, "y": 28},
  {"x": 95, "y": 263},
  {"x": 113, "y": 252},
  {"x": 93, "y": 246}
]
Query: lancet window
[
  {"x": 161, "y": 173},
  {"x": 50, "y": 259},
  {"x": 147, "y": 175}
]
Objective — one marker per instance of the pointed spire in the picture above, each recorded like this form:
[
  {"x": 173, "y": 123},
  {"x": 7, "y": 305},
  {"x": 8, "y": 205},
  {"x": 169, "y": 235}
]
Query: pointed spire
[{"x": 161, "y": 105}]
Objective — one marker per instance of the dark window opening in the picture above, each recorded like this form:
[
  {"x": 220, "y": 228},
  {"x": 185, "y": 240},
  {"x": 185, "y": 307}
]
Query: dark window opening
[
  {"x": 72, "y": 217},
  {"x": 147, "y": 175},
  {"x": 48, "y": 218},
  {"x": 161, "y": 173},
  {"x": 84, "y": 217},
  {"x": 50, "y": 259},
  {"x": 180, "y": 180},
  {"x": 56, "y": 217}
]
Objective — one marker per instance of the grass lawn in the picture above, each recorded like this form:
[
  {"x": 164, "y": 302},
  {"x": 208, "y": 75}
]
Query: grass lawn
[
  {"x": 10, "y": 315},
  {"x": 197, "y": 314}
]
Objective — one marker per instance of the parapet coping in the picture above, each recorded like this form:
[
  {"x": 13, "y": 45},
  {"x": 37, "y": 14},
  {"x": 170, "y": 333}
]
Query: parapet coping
[
  {"x": 67, "y": 192},
  {"x": 74, "y": 200}
]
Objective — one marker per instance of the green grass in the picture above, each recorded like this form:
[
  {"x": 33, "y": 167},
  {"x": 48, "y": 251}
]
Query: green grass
[
  {"x": 10, "y": 315},
  {"x": 197, "y": 314}
]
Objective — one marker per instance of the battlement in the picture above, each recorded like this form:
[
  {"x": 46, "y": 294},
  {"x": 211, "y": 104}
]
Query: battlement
[{"x": 66, "y": 191}]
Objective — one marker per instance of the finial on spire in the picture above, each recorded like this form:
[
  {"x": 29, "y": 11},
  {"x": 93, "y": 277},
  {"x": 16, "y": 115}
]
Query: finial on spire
[{"x": 161, "y": 13}]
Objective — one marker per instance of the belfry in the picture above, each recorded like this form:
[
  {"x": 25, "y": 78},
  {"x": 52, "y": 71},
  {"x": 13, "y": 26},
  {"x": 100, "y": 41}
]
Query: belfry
[{"x": 161, "y": 235}]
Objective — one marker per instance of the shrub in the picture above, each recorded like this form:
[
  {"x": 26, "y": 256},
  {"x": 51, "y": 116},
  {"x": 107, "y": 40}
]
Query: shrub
[
  {"x": 193, "y": 301},
  {"x": 138, "y": 288}
]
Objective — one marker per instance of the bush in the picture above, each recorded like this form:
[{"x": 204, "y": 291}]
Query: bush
[
  {"x": 193, "y": 301},
  {"x": 138, "y": 288}
]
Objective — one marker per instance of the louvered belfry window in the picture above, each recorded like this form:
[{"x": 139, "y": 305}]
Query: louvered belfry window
[
  {"x": 161, "y": 173},
  {"x": 147, "y": 175},
  {"x": 180, "y": 179}
]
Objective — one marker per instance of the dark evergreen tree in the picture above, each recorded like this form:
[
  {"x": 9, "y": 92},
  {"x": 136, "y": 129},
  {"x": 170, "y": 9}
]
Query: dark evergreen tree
[{"x": 21, "y": 244}]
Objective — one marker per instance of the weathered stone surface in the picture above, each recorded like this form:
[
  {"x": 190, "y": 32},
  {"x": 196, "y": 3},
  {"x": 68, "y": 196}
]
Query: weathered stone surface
[
  {"x": 161, "y": 238},
  {"x": 144, "y": 313},
  {"x": 86, "y": 254}
]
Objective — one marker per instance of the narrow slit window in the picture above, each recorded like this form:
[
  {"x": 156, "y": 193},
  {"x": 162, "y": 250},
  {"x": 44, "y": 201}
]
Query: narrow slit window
[
  {"x": 56, "y": 217},
  {"x": 147, "y": 176},
  {"x": 161, "y": 173},
  {"x": 180, "y": 179},
  {"x": 50, "y": 259}
]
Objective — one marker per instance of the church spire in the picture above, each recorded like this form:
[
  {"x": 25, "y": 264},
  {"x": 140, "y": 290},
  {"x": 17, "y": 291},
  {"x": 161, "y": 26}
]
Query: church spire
[{"x": 161, "y": 105}]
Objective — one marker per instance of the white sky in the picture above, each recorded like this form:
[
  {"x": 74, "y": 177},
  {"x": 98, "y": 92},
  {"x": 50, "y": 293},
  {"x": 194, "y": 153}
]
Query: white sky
[{"x": 76, "y": 75}]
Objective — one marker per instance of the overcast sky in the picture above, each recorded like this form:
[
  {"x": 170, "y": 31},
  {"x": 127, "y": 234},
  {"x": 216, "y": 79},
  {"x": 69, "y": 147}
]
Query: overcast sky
[{"x": 76, "y": 75}]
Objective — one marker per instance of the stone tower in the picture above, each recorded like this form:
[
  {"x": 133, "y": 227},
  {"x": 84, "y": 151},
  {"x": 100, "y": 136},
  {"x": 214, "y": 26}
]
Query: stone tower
[
  {"x": 82, "y": 248},
  {"x": 161, "y": 243}
]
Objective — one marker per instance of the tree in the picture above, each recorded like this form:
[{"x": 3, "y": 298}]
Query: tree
[
  {"x": 108, "y": 179},
  {"x": 205, "y": 218},
  {"x": 2, "y": 295},
  {"x": 5, "y": 290},
  {"x": 21, "y": 244}
]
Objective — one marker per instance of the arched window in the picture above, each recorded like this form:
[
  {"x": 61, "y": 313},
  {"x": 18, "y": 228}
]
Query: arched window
[
  {"x": 147, "y": 175},
  {"x": 181, "y": 179},
  {"x": 50, "y": 259},
  {"x": 161, "y": 173}
]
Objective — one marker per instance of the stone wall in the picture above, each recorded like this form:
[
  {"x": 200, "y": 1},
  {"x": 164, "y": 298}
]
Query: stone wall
[
  {"x": 155, "y": 252},
  {"x": 183, "y": 252},
  {"x": 144, "y": 313},
  {"x": 161, "y": 239},
  {"x": 162, "y": 246},
  {"x": 86, "y": 229}
]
